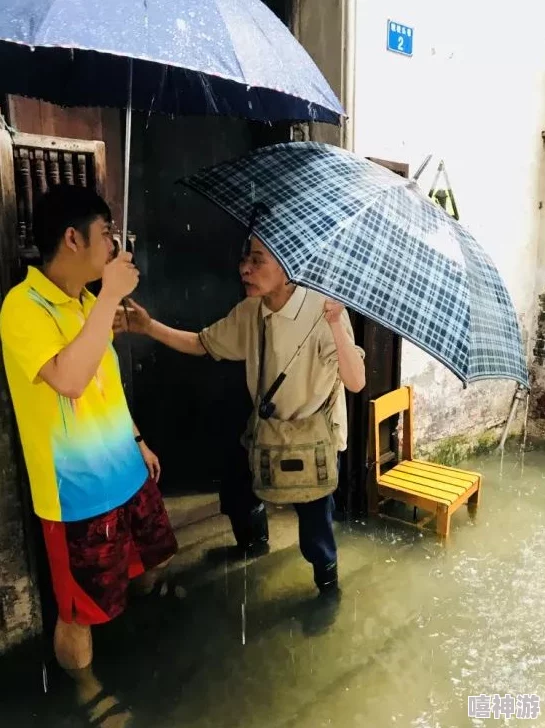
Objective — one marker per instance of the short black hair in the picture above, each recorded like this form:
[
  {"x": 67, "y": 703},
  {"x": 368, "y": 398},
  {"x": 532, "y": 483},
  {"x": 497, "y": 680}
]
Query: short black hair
[{"x": 61, "y": 207}]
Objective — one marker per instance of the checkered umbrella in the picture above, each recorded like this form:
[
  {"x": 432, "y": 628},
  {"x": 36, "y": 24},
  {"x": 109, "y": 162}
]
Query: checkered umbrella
[{"x": 369, "y": 238}]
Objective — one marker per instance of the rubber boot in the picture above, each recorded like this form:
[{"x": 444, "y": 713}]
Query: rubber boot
[
  {"x": 326, "y": 578},
  {"x": 260, "y": 527},
  {"x": 252, "y": 532}
]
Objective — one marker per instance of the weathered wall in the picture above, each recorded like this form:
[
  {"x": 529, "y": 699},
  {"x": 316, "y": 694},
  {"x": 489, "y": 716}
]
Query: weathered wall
[
  {"x": 19, "y": 606},
  {"x": 537, "y": 399},
  {"x": 320, "y": 28},
  {"x": 479, "y": 105}
]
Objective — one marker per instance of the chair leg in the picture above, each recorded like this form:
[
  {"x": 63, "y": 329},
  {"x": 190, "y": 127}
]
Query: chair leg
[
  {"x": 474, "y": 500},
  {"x": 372, "y": 496},
  {"x": 443, "y": 521}
]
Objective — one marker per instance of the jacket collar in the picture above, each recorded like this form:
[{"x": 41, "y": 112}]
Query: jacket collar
[{"x": 291, "y": 308}]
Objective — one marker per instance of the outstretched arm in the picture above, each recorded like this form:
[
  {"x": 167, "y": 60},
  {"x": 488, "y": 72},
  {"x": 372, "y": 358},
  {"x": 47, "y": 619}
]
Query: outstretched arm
[{"x": 136, "y": 319}]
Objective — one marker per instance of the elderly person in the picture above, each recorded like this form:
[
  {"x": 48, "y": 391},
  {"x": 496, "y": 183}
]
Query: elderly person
[{"x": 281, "y": 328}]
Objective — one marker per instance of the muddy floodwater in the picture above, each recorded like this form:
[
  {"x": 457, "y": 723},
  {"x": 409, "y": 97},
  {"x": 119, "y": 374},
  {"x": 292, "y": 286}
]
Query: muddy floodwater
[{"x": 421, "y": 626}]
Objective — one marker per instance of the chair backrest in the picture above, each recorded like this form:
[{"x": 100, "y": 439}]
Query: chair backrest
[{"x": 381, "y": 409}]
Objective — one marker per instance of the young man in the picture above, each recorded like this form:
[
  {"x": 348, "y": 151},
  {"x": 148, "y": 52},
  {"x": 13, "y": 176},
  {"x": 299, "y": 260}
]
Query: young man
[
  {"x": 93, "y": 479},
  {"x": 329, "y": 354}
]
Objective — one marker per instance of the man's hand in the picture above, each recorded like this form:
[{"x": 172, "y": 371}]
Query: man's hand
[
  {"x": 333, "y": 310},
  {"x": 152, "y": 461},
  {"x": 120, "y": 277},
  {"x": 135, "y": 319}
]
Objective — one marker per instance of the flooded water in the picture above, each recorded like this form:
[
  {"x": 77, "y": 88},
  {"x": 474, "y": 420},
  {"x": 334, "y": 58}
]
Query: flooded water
[{"x": 421, "y": 625}]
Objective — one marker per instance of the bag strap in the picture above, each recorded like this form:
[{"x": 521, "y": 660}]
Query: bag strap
[{"x": 275, "y": 386}]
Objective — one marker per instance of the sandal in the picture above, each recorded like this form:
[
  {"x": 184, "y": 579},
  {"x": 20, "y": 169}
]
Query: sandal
[{"x": 118, "y": 708}]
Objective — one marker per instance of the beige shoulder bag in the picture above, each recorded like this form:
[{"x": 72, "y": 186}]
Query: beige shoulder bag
[{"x": 293, "y": 461}]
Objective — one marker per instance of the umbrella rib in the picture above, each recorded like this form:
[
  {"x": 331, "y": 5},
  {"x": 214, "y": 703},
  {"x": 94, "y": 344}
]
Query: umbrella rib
[
  {"x": 220, "y": 11},
  {"x": 44, "y": 19},
  {"x": 350, "y": 219}
]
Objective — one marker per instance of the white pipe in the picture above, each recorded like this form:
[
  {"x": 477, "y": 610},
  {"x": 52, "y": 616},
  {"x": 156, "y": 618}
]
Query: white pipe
[
  {"x": 519, "y": 393},
  {"x": 349, "y": 72}
]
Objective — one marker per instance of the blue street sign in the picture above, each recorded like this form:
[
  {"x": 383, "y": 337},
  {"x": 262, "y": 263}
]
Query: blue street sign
[{"x": 400, "y": 38}]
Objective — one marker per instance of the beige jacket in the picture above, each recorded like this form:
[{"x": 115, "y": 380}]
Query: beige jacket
[{"x": 312, "y": 375}]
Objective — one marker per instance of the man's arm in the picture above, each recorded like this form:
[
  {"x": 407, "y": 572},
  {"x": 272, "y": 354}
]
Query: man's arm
[
  {"x": 351, "y": 364},
  {"x": 186, "y": 342},
  {"x": 349, "y": 357},
  {"x": 150, "y": 458},
  {"x": 138, "y": 321},
  {"x": 71, "y": 370}
]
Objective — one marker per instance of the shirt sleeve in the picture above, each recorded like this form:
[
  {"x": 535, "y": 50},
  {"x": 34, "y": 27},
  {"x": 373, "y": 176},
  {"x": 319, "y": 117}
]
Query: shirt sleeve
[
  {"x": 328, "y": 349},
  {"x": 29, "y": 334},
  {"x": 226, "y": 339}
]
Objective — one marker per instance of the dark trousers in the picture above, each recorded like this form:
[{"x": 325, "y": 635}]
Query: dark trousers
[
  {"x": 316, "y": 539},
  {"x": 248, "y": 516}
]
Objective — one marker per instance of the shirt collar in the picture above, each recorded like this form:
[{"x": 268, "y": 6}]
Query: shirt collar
[
  {"x": 291, "y": 308},
  {"x": 47, "y": 289}
]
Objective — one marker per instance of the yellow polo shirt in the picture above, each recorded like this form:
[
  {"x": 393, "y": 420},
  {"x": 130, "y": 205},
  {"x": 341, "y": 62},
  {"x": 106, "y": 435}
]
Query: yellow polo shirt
[
  {"x": 311, "y": 378},
  {"x": 81, "y": 456}
]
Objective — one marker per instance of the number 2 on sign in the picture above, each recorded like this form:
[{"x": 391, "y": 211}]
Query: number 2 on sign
[{"x": 400, "y": 43}]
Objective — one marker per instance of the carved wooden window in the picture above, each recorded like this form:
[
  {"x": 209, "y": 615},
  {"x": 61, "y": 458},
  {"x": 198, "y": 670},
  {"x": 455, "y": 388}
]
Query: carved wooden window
[{"x": 41, "y": 162}]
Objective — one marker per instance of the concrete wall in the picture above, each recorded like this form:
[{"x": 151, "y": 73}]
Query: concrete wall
[
  {"x": 320, "y": 27},
  {"x": 473, "y": 94}
]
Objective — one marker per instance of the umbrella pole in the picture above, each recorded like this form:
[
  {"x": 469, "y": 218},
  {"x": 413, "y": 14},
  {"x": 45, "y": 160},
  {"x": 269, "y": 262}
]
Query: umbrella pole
[{"x": 128, "y": 135}]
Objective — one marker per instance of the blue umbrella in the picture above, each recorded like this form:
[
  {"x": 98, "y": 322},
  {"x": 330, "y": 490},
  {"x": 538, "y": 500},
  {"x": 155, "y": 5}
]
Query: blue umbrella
[
  {"x": 189, "y": 56},
  {"x": 228, "y": 57},
  {"x": 371, "y": 239}
]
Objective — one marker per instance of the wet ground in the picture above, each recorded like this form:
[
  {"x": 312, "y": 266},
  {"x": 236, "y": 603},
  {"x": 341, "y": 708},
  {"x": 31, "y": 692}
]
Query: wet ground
[{"x": 421, "y": 626}]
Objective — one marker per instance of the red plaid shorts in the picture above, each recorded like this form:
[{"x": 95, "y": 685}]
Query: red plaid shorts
[{"x": 92, "y": 561}]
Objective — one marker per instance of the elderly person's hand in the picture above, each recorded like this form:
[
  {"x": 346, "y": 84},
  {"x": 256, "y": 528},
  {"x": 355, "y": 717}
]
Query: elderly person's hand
[
  {"x": 333, "y": 310},
  {"x": 134, "y": 319}
]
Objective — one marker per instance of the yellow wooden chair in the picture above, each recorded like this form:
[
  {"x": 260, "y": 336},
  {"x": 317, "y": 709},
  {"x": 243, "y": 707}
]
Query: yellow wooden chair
[{"x": 436, "y": 489}]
